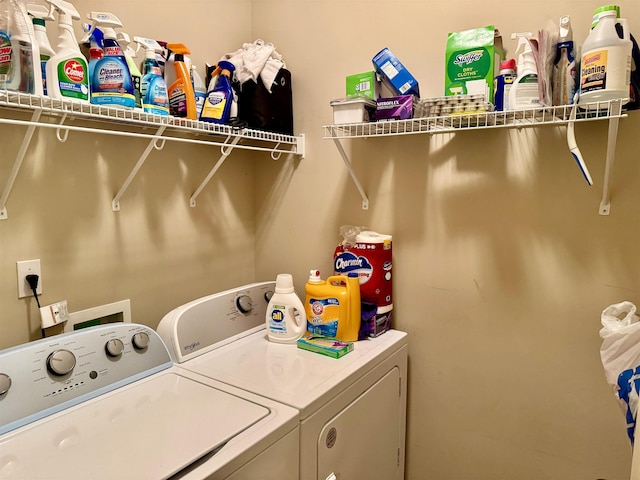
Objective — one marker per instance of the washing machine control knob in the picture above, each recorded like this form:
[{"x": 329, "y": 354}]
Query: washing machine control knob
[
  {"x": 61, "y": 362},
  {"x": 267, "y": 296},
  {"x": 244, "y": 303},
  {"x": 5, "y": 383},
  {"x": 114, "y": 347},
  {"x": 140, "y": 340}
]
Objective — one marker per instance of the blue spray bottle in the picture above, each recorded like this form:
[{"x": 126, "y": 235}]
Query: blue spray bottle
[
  {"x": 153, "y": 89},
  {"x": 563, "y": 85},
  {"x": 111, "y": 83},
  {"x": 217, "y": 105}
]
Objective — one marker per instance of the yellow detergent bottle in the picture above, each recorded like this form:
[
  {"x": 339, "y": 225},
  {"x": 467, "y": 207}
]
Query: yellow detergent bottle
[{"x": 333, "y": 306}]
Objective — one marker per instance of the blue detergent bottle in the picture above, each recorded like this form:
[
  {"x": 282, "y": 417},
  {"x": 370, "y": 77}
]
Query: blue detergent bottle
[
  {"x": 217, "y": 105},
  {"x": 111, "y": 82}
]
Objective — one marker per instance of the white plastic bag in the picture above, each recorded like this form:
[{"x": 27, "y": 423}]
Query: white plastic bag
[{"x": 620, "y": 354}]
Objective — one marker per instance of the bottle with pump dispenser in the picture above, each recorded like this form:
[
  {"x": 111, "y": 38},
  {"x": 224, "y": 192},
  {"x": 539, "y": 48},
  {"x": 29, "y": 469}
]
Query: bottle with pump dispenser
[
  {"x": 605, "y": 68},
  {"x": 111, "y": 83},
  {"x": 217, "y": 105},
  {"x": 524, "y": 92},
  {"x": 67, "y": 70},
  {"x": 333, "y": 306},
  {"x": 563, "y": 81},
  {"x": 182, "y": 100},
  {"x": 19, "y": 58},
  {"x": 40, "y": 15},
  {"x": 285, "y": 319},
  {"x": 153, "y": 87}
]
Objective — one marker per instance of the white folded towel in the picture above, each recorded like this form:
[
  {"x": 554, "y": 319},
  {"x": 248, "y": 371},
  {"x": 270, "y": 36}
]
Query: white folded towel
[{"x": 257, "y": 59}]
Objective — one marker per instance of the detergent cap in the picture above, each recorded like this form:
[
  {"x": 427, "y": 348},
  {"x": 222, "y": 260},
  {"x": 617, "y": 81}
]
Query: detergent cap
[
  {"x": 284, "y": 283},
  {"x": 314, "y": 276}
]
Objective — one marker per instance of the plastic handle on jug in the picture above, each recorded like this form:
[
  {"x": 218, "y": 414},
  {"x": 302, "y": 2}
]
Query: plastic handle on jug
[{"x": 300, "y": 318}]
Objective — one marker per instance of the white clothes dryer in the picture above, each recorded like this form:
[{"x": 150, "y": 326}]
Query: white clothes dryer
[
  {"x": 352, "y": 409},
  {"x": 108, "y": 403}
]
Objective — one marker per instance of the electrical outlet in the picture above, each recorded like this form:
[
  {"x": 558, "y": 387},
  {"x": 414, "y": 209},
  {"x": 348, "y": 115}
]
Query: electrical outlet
[
  {"x": 54, "y": 314},
  {"x": 28, "y": 267}
]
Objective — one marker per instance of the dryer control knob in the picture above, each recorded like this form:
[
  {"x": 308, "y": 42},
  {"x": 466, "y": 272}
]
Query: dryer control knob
[
  {"x": 114, "y": 347},
  {"x": 61, "y": 362},
  {"x": 244, "y": 304},
  {"x": 5, "y": 383},
  {"x": 140, "y": 340}
]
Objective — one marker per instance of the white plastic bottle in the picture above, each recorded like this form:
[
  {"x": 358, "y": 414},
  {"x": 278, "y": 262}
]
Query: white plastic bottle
[
  {"x": 524, "y": 91},
  {"x": 286, "y": 319},
  {"x": 199, "y": 89},
  {"x": 40, "y": 14},
  {"x": 19, "y": 62},
  {"x": 605, "y": 69},
  {"x": 67, "y": 70}
]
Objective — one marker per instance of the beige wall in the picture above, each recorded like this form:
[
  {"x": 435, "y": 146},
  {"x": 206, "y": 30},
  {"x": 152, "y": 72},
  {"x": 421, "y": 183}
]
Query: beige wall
[{"x": 502, "y": 264}]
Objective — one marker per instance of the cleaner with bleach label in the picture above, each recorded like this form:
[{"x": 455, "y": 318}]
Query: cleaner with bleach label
[
  {"x": 286, "y": 319},
  {"x": 111, "y": 83},
  {"x": 67, "y": 70}
]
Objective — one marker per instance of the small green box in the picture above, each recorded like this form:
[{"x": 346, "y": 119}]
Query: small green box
[
  {"x": 363, "y": 85},
  {"x": 325, "y": 346}
]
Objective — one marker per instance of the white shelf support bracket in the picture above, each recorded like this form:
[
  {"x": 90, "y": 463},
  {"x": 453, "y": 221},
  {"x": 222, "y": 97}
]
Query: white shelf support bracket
[
  {"x": 365, "y": 199},
  {"x": 62, "y": 134},
  {"x": 300, "y": 145},
  {"x": 226, "y": 151},
  {"x": 153, "y": 143},
  {"x": 616, "y": 109},
  {"x": 18, "y": 163}
]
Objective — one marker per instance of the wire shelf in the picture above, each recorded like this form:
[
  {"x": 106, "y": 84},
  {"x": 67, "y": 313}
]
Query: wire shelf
[{"x": 473, "y": 121}]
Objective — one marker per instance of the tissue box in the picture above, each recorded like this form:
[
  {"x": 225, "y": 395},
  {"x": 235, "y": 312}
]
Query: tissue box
[
  {"x": 353, "y": 110},
  {"x": 394, "y": 74},
  {"x": 395, "y": 108},
  {"x": 365, "y": 84}
]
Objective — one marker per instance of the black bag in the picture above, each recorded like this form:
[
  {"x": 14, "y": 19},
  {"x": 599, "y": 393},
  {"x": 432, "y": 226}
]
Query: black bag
[{"x": 262, "y": 110}]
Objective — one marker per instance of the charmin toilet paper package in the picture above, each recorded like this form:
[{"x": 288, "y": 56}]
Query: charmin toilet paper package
[{"x": 368, "y": 253}]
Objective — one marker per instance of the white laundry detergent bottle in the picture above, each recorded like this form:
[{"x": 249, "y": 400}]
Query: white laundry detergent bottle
[{"x": 286, "y": 318}]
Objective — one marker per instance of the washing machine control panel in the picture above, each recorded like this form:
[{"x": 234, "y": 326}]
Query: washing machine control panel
[
  {"x": 214, "y": 320},
  {"x": 45, "y": 376}
]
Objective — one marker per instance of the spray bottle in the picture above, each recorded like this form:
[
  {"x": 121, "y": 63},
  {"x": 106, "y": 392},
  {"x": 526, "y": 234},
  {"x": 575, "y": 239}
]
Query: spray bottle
[
  {"x": 563, "y": 84},
  {"x": 111, "y": 83},
  {"x": 199, "y": 90},
  {"x": 503, "y": 82},
  {"x": 182, "y": 100},
  {"x": 40, "y": 14},
  {"x": 136, "y": 77},
  {"x": 153, "y": 87},
  {"x": 19, "y": 52},
  {"x": 524, "y": 91},
  {"x": 67, "y": 69},
  {"x": 217, "y": 105}
]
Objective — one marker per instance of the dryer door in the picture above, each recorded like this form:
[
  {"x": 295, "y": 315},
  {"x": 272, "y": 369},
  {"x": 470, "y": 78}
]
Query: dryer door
[{"x": 363, "y": 440}]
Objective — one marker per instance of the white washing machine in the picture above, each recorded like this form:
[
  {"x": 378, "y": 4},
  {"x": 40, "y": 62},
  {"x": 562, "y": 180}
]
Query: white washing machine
[
  {"x": 352, "y": 409},
  {"x": 108, "y": 403}
]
